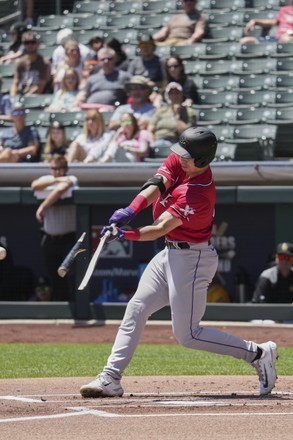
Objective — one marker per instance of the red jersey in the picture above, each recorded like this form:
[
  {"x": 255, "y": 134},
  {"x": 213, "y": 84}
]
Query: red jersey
[
  {"x": 190, "y": 199},
  {"x": 284, "y": 20}
]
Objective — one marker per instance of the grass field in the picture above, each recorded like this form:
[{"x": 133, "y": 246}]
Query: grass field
[{"x": 71, "y": 360}]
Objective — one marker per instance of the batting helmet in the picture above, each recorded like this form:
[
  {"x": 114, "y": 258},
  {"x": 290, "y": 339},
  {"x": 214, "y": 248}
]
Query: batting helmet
[{"x": 197, "y": 143}]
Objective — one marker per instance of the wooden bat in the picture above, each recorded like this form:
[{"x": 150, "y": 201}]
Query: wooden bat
[
  {"x": 68, "y": 260},
  {"x": 93, "y": 262}
]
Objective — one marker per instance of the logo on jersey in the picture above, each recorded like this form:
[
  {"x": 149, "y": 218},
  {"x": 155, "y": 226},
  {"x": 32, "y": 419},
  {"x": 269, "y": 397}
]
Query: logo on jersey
[
  {"x": 166, "y": 199},
  {"x": 187, "y": 211}
]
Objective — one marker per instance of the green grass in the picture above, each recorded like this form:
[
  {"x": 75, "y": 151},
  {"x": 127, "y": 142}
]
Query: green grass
[{"x": 70, "y": 360}]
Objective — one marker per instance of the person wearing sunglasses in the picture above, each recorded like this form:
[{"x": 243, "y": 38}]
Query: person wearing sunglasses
[
  {"x": 138, "y": 89},
  {"x": 107, "y": 86},
  {"x": 275, "y": 284},
  {"x": 58, "y": 223},
  {"x": 129, "y": 144},
  {"x": 20, "y": 142},
  {"x": 32, "y": 71},
  {"x": 188, "y": 27}
]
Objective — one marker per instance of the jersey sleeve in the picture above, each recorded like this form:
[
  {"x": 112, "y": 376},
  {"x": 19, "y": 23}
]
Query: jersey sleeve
[{"x": 171, "y": 168}]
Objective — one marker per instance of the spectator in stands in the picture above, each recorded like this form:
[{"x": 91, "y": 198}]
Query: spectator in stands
[
  {"x": 32, "y": 70},
  {"x": 188, "y": 27},
  {"x": 5, "y": 105},
  {"x": 89, "y": 68},
  {"x": 107, "y": 86},
  {"x": 58, "y": 222},
  {"x": 138, "y": 89},
  {"x": 175, "y": 72},
  {"x": 275, "y": 284},
  {"x": 122, "y": 61},
  {"x": 170, "y": 120},
  {"x": 148, "y": 64},
  {"x": 43, "y": 290},
  {"x": 64, "y": 98},
  {"x": 16, "y": 49},
  {"x": 19, "y": 143},
  {"x": 56, "y": 142},
  {"x": 284, "y": 21},
  {"x": 95, "y": 44},
  {"x": 72, "y": 60},
  {"x": 93, "y": 136},
  {"x": 129, "y": 144},
  {"x": 58, "y": 55}
]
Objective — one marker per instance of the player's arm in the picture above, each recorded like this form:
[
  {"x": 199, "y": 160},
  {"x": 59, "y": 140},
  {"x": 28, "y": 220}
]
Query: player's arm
[
  {"x": 162, "y": 226},
  {"x": 149, "y": 192},
  {"x": 52, "y": 198}
]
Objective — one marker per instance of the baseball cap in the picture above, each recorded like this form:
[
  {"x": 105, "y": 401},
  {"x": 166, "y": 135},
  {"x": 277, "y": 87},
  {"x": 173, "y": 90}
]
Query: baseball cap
[
  {"x": 285, "y": 249},
  {"x": 173, "y": 85},
  {"x": 145, "y": 38}
]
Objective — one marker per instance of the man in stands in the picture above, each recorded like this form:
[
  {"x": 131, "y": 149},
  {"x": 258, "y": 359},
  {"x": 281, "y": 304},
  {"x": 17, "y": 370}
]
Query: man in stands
[
  {"x": 186, "y": 28},
  {"x": 32, "y": 70}
]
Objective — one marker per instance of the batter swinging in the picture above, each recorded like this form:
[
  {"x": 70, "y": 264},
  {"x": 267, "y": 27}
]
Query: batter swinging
[{"x": 183, "y": 196}]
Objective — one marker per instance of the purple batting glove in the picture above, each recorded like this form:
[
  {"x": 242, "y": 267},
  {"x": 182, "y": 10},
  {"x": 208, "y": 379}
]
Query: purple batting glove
[
  {"x": 122, "y": 216},
  {"x": 113, "y": 233}
]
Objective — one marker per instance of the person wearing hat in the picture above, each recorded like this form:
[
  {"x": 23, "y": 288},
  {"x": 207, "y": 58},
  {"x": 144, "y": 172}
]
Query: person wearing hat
[
  {"x": 138, "y": 89},
  {"x": 58, "y": 222},
  {"x": 182, "y": 195},
  {"x": 169, "y": 121},
  {"x": 148, "y": 64},
  {"x": 56, "y": 142},
  {"x": 19, "y": 143},
  {"x": 275, "y": 285}
]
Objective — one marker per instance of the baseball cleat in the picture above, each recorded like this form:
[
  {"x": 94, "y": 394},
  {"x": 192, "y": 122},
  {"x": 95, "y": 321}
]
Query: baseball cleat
[
  {"x": 265, "y": 367},
  {"x": 102, "y": 386}
]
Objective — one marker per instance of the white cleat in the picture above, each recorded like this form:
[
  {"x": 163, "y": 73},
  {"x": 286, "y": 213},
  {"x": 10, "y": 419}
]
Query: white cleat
[
  {"x": 102, "y": 386},
  {"x": 265, "y": 367}
]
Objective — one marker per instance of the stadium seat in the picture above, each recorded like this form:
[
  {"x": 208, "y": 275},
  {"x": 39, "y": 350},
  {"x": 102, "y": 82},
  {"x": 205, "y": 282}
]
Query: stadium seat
[
  {"x": 90, "y": 22},
  {"x": 228, "y": 5},
  {"x": 254, "y": 115},
  {"x": 127, "y": 7},
  {"x": 55, "y": 21},
  {"x": 38, "y": 101},
  {"x": 161, "y": 6},
  {"x": 216, "y": 116},
  {"x": 125, "y": 36},
  {"x": 223, "y": 34},
  {"x": 284, "y": 81},
  {"x": 93, "y": 7},
  {"x": 219, "y": 83},
  {"x": 255, "y": 98},
  {"x": 256, "y": 50},
  {"x": 258, "y": 66},
  {"x": 68, "y": 118},
  {"x": 283, "y": 50},
  {"x": 282, "y": 116},
  {"x": 220, "y": 51},
  {"x": 47, "y": 37},
  {"x": 226, "y": 18},
  {"x": 83, "y": 36},
  {"x": 283, "y": 65},
  {"x": 151, "y": 21},
  {"x": 188, "y": 52},
  {"x": 37, "y": 117},
  {"x": 214, "y": 98},
  {"x": 283, "y": 98},
  {"x": 7, "y": 70},
  {"x": 257, "y": 82}
]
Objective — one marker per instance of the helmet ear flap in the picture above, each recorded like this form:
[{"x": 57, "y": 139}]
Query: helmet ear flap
[{"x": 201, "y": 162}]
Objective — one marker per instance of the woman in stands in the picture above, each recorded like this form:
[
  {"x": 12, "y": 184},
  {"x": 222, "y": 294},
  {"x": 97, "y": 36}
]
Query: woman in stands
[
  {"x": 175, "y": 72},
  {"x": 56, "y": 142},
  {"x": 93, "y": 136},
  {"x": 72, "y": 59},
  {"x": 129, "y": 144}
]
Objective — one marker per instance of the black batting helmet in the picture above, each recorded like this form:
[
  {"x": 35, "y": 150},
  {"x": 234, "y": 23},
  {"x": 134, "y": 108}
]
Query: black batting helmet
[{"x": 197, "y": 143}]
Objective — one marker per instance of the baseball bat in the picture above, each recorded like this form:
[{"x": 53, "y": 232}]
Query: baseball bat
[
  {"x": 68, "y": 260},
  {"x": 93, "y": 261}
]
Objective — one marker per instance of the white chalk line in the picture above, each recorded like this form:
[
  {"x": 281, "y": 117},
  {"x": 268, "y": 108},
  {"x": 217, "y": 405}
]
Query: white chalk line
[{"x": 210, "y": 401}]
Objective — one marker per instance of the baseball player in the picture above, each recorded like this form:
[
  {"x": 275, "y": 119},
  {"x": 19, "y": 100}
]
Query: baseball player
[{"x": 183, "y": 196}]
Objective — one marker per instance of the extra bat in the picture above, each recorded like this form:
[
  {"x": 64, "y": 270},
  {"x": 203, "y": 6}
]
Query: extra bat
[
  {"x": 68, "y": 260},
  {"x": 93, "y": 261}
]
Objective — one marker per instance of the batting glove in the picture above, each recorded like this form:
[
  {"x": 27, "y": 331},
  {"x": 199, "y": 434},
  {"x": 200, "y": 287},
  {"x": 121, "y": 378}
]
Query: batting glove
[
  {"x": 113, "y": 233},
  {"x": 122, "y": 216}
]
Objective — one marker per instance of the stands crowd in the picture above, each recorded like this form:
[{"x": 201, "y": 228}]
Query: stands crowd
[{"x": 119, "y": 81}]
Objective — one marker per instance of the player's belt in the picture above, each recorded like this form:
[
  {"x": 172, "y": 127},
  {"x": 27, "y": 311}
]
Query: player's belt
[{"x": 180, "y": 244}]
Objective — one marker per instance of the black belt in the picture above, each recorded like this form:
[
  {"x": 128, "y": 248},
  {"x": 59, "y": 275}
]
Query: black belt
[
  {"x": 59, "y": 236},
  {"x": 179, "y": 244}
]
